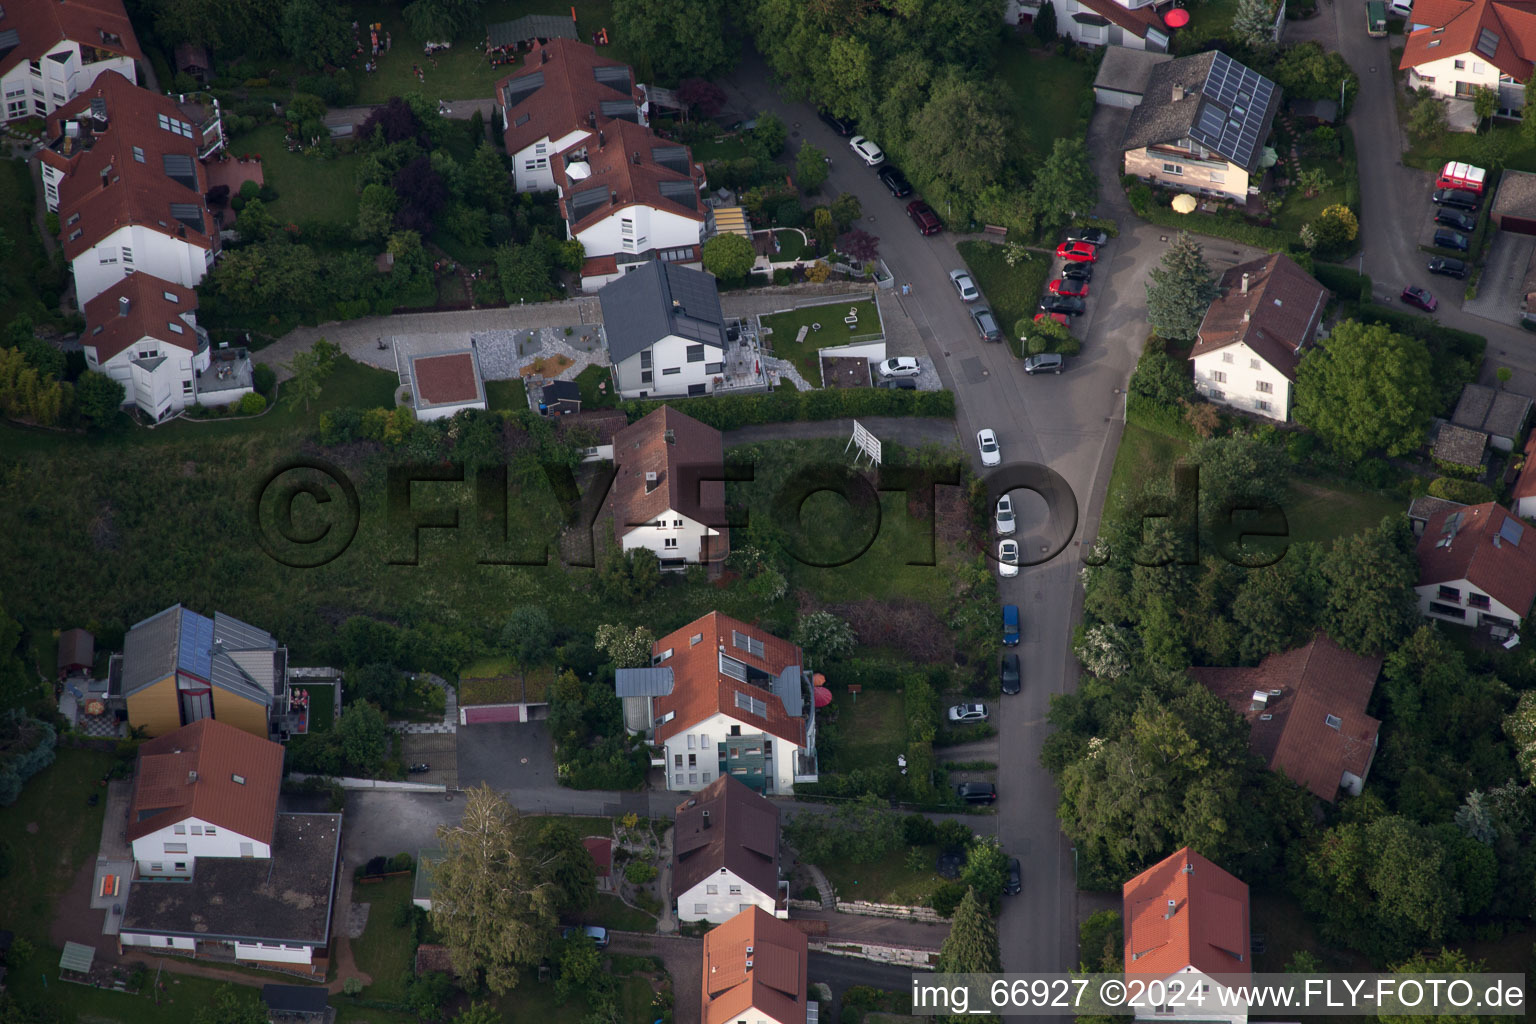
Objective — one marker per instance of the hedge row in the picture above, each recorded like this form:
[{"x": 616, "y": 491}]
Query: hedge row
[
  {"x": 787, "y": 405},
  {"x": 1343, "y": 282},
  {"x": 1144, "y": 201}
]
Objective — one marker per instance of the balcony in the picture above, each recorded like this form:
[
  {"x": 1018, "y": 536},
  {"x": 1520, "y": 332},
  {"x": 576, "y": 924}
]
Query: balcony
[
  {"x": 805, "y": 767},
  {"x": 781, "y": 900}
]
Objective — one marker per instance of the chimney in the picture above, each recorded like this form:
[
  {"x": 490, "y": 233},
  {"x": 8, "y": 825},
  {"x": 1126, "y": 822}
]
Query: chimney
[
  {"x": 192, "y": 776},
  {"x": 123, "y": 305},
  {"x": 613, "y": 198},
  {"x": 1178, "y": 93},
  {"x": 637, "y": 156},
  {"x": 592, "y": 119},
  {"x": 104, "y": 179},
  {"x": 1247, "y": 316},
  {"x": 543, "y": 56},
  {"x": 1189, "y": 869},
  {"x": 1245, "y": 282},
  {"x": 706, "y": 819},
  {"x": 671, "y": 436},
  {"x": 650, "y": 481},
  {"x": 1172, "y": 907},
  {"x": 601, "y": 141}
]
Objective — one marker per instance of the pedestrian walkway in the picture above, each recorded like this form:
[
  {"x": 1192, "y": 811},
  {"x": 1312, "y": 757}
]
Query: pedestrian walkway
[
  {"x": 823, "y": 887},
  {"x": 450, "y": 721}
]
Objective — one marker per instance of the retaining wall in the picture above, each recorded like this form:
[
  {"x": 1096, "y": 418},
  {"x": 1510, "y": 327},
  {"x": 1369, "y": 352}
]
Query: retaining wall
[{"x": 350, "y": 783}]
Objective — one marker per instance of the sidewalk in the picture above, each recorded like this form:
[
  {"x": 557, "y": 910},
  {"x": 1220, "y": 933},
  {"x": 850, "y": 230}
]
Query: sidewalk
[{"x": 886, "y": 930}]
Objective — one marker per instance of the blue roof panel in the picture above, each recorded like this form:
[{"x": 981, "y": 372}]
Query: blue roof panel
[{"x": 195, "y": 652}]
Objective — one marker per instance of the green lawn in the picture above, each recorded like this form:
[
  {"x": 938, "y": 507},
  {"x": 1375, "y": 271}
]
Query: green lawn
[
  {"x": 1299, "y": 210},
  {"x": 635, "y": 997},
  {"x": 887, "y": 880},
  {"x": 18, "y": 285},
  {"x": 792, "y": 247},
  {"x": 1013, "y": 293},
  {"x": 322, "y": 706},
  {"x": 535, "y": 1001},
  {"x": 872, "y": 727},
  {"x": 591, "y": 397},
  {"x": 1319, "y": 512},
  {"x": 1207, "y": 21},
  {"x": 725, "y": 148},
  {"x": 1046, "y": 94},
  {"x": 612, "y": 912},
  {"x": 804, "y": 355},
  {"x": 385, "y": 952},
  {"x": 1144, "y": 455},
  {"x": 510, "y": 395},
  {"x": 178, "y": 1003},
  {"x": 308, "y": 187},
  {"x": 50, "y": 831}
]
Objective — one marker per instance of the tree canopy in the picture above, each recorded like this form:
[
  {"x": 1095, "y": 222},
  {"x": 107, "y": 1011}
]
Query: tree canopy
[
  {"x": 729, "y": 257},
  {"x": 1366, "y": 388},
  {"x": 1181, "y": 290},
  {"x": 672, "y": 40}
]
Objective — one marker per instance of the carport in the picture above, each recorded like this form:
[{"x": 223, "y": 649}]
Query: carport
[
  {"x": 1507, "y": 261},
  {"x": 493, "y": 713}
]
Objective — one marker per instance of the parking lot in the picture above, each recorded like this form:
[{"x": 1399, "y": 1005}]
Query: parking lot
[
  {"x": 438, "y": 749},
  {"x": 508, "y": 756}
]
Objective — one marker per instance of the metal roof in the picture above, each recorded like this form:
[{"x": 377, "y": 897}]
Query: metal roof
[
  {"x": 643, "y": 682},
  {"x": 294, "y": 998},
  {"x": 77, "y": 957},
  {"x": 787, "y": 687},
  {"x": 658, "y": 299},
  {"x": 531, "y": 26}
]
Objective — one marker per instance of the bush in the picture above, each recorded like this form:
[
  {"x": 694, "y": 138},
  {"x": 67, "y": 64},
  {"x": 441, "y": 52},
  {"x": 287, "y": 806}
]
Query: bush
[
  {"x": 264, "y": 379},
  {"x": 1467, "y": 492},
  {"x": 789, "y": 214},
  {"x": 402, "y": 862},
  {"x": 640, "y": 873},
  {"x": 252, "y": 404},
  {"x": 1343, "y": 282}
]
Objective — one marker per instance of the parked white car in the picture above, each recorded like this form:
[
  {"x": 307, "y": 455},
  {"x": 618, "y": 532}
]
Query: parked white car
[
  {"x": 866, "y": 151},
  {"x": 968, "y": 713},
  {"x": 1008, "y": 558},
  {"x": 900, "y": 366},
  {"x": 1005, "y": 520},
  {"x": 964, "y": 285},
  {"x": 986, "y": 441}
]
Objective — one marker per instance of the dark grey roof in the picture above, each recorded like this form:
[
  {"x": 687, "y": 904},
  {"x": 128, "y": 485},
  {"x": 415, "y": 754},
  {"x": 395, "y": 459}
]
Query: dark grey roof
[
  {"x": 1224, "y": 106},
  {"x": 787, "y": 687},
  {"x": 1460, "y": 446},
  {"x": 1323, "y": 110},
  {"x": 294, "y": 998},
  {"x": 561, "y": 391},
  {"x": 9, "y": 40},
  {"x": 178, "y": 167},
  {"x": 1127, "y": 70},
  {"x": 658, "y": 299},
  {"x": 1502, "y": 413},
  {"x": 210, "y": 649},
  {"x": 643, "y": 682},
  {"x": 149, "y": 649},
  {"x": 531, "y": 26},
  {"x": 1086, "y": 18},
  {"x": 1423, "y": 509}
]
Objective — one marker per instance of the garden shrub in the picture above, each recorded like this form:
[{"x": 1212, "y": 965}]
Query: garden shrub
[
  {"x": 252, "y": 404},
  {"x": 1343, "y": 282},
  {"x": 1467, "y": 492}
]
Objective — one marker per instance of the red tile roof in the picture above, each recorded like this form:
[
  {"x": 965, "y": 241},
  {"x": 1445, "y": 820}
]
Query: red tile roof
[
  {"x": 1455, "y": 27},
  {"x": 642, "y": 447},
  {"x": 741, "y": 833},
  {"x": 1186, "y": 912},
  {"x": 446, "y": 379},
  {"x": 613, "y": 168},
  {"x": 109, "y": 330},
  {"x": 774, "y": 985},
  {"x": 43, "y": 24},
  {"x": 1525, "y": 483},
  {"x": 1292, "y": 731},
  {"x": 1135, "y": 22},
  {"x": 1478, "y": 554},
  {"x": 599, "y": 266},
  {"x": 1277, "y": 315},
  {"x": 600, "y": 849},
  {"x": 700, "y": 689},
  {"x": 217, "y": 753},
  {"x": 569, "y": 94},
  {"x": 135, "y": 191}
]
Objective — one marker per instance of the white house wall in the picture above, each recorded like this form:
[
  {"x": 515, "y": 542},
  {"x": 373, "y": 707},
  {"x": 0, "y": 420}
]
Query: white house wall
[
  {"x": 1239, "y": 381},
  {"x": 1442, "y": 76},
  {"x": 721, "y": 897},
  {"x": 151, "y": 252},
  {"x": 688, "y": 538},
  {"x": 278, "y": 954},
  {"x": 59, "y": 82},
  {"x": 159, "y": 391},
  {"x": 158, "y": 941},
  {"x": 1210, "y": 1008},
  {"x": 531, "y": 167},
  {"x": 716, "y": 729},
  {"x": 150, "y": 850},
  {"x": 1430, "y": 594},
  {"x": 669, "y": 353},
  {"x": 1525, "y": 508},
  {"x": 443, "y": 412},
  {"x": 636, "y": 228}
]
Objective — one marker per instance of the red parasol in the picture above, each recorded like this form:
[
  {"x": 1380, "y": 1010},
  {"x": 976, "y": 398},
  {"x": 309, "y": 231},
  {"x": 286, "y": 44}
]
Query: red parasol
[
  {"x": 1176, "y": 18},
  {"x": 822, "y": 696}
]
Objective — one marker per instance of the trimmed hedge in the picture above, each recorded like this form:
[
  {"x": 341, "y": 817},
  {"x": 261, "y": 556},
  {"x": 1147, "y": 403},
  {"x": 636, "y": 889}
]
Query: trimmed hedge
[
  {"x": 787, "y": 405},
  {"x": 1231, "y": 226},
  {"x": 1343, "y": 282}
]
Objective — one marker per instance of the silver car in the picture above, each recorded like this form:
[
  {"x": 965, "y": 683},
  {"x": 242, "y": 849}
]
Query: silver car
[
  {"x": 1008, "y": 558},
  {"x": 968, "y": 713},
  {"x": 964, "y": 285},
  {"x": 1005, "y": 520}
]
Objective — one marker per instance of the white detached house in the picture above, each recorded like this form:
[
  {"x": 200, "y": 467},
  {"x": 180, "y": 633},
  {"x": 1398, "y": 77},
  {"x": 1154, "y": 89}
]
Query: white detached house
[
  {"x": 1477, "y": 566},
  {"x": 1454, "y": 47},
  {"x": 1254, "y": 334},
  {"x": 665, "y": 331},
  {"x": 725, "y": 854},
  {"x": 52, "y": 50},
  {"x": 669, "y": 494}
]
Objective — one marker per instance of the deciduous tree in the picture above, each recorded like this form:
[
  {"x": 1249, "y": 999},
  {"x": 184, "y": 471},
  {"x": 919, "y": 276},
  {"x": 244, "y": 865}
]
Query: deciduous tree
[
  {"x": 528, "y": 636},
  {"x": 1370, "y": 604},
  {"x": 1065, "y": 186},
  {"x": 314, "y": 33},
  {"x": 676, "y": 39},
  {"x": 1181, "y": 290},
  {"x": 960, "y": 139},
  {"x": 810, "y": 168},
  {"x": 824, "y": 637},
  {"x": 362, "y": 733},
  {"x": 628, "y": 648},
  {"x": 232, "y": 1005},
  {"x": 729, "y": 257},
  {"x": 1366, "y": 387},
  {"x": 98, "y": 398}
]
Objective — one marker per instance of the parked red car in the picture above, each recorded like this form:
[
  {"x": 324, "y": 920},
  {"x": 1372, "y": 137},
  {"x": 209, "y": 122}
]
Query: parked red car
[
  {"x": 1070, "y": 286},
  {"x": 1416, "y": 296},
  {"x": 1078, "y": 252},
  {"x": 923, "y": 216},
  {"x": 1060, "y": 318}
]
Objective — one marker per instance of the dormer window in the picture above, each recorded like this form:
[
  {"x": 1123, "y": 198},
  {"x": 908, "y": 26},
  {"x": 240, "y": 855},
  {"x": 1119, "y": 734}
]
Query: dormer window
[{"x": 238, "y": 780}]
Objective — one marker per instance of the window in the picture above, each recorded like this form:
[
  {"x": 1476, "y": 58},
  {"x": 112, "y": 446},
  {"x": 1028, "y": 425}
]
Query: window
[
  {"x": 1460, "y": 65},
  {"x": 197, "y": 830},
  {"x": 175, "y": 327},
  {"x": 106, "y": 256},
  {"x": 176, "y": 127},
  {"x": 181, "y": 830},
  {"x": 1219, "y": 376},
  {"x": 693, "y": 778},
  {"x": 169, "y": 297},
  {"x": 156, "y": 868},
  {"x": 677, "y": 760},
  {"x": 670, "y": 544},
  {"x": 695, "y": 353},
  {"x": 664, "y": 656},
  {"x": 696, "y": 639},
  {"x": 711, "y": 890},
  {"x": 1217, "y": 396},
  {"x": 693, "y": 760},
  {"x": 1218, "y": 178},
  {"x": 76, "y": 234},
  {"x": 1449, "y": 594},
  {"x": 1478, "y": 601},
  {"x": 1226, "y": 357},
  {"x": 127, "y": 254},
  {"x": 669, "y": 372},
  {"x": 646, "y": 377},
  {"x": 704, "y": 777},
  {"x": 1261, "y": 405},
  {"x": 735, "y": 890},
  {"x": 714, "y": 367},
  {"x": 1172, "y": 169},
  {"x": 1253, "y": 364},
  {"x": 743, "y": 642},
  {"x": 1264, "y": 387},
  {"x": 677, "y": 524},
  {"x": 247, "y": 850},
  {"x": 181, "y": 865},
  {"x": 209, "y": 830},
  {"x": 645, "y": 360},
  {"x": 677, "y": 780},
  {"x": 751, "y": 705},
  {"x": 701, "y": 908},
  {"x": 1333, "y": 721},
  {"x": 690, "y": 741}
]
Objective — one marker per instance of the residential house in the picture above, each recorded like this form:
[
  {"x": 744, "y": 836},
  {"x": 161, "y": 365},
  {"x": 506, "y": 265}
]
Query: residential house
[
  {"x": 143, "y": 333},
  {"x": 1477, "y": 566},
  {"x": 1134, "y": 25},
  {"x": 560, "y": 398},
  {"x": 218, "y": 871},
  {"x": 179, "y": 667},
  {"x": 1305, "y": 710},
  {"x": 124, "y": 173},
  {"x": 577, "y": 123},
  {"x": 755, "y": 970},
  {"x": 1502, "y": 415},
  {"x": 1122, "y": 77},
  {"x": 53, "y": 50},
  {"x": 1523, "y": 498},
  {"x": 1454, "y": 47},
  {"x": 725, "y": 854},
  {"x": 1422, "y": 509},
  {"x": 443, "y": 384},
  {"x": 724, "y": 698},
  {"x": 1186, "y": 925},
  {"x": 594, "y": 430},
  {"x": 665, "y": 330},
  {"x": 1201, "y": 126},
  {"x": 1252, "y": 337},
  {"x": 669, "y": 494}
]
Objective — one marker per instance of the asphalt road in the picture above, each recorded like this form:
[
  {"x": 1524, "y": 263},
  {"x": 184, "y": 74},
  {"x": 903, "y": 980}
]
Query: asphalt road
[{"x": 842, "y": 973}]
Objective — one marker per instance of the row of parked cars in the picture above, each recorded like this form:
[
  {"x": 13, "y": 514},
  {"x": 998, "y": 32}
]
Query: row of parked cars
[
  {"x": 895, "y": 182},
  {"x": 1458, "y": 197}
]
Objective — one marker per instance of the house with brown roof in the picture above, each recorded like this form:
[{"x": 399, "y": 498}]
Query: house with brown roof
[
  {"x": 1186, "y": 925},
  {"x": 1134, "y": 24},
  {"x": 1454, "y": 47},
  {"x": 123, "y": 170},
  {"x": 725, "y": 854},
  {"x": 1201, "y": 126},
  {"x": 1477, "y": 566},
  {"x": 443, "y": 384},
  {"x": 755, "y": 969},
  {"x": 1305, "y": 711},
  {"x": 724, "y": 698},
  {"x": 1523, "y": 497},
  {"x": 1253, "y": 336},
  {"x": 1502, "y": 415},
  {"x": 143, "y": 333},
  {"x": 669, "y": 494},
  {"x": 217, "y": 870},
  {"x": 577, "y": 123},
  {"x": 51, "y": 50}
]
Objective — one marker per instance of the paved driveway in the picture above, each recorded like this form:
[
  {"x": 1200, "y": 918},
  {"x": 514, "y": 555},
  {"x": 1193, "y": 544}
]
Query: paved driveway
[
  {"x": 438, "y": 749},
  {"x": 1498, "y": 290},
  {"x": 509, "y": 756}
]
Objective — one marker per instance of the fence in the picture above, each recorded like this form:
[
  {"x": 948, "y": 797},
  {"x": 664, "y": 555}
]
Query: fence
[
  {"x": 925, "y": 914},
  {"x": 350, "y": 783}
]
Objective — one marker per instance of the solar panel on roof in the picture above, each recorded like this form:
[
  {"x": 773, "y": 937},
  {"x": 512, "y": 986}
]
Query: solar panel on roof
[
  {"x": 617, "y": 78},
  {"x": 1512, "y": 530},
  {"x": 519, "y": 89},
  {"x": 9, "y": 40},
  {"x": 624, "y": 110},
  {"x": 1230, "y": 120},
  {"x": 194, "y": 652},
  {"x": 178, "y": 167},
  {"x": 99, "y": 108},
  {"x": 584, "y": 202},
  {"x": 674, "y": 157},
  {"x": 680, "y": 192},
  {"x": 1487, "y": 42}
]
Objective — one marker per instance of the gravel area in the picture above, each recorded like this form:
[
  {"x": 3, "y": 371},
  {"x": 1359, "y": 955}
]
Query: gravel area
[{"x": 504, "y": 353}]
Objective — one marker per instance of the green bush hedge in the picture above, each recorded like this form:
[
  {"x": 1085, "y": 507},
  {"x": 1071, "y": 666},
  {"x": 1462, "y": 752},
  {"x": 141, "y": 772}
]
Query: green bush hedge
[
  {"x": 1343, "y": 282},
  {"x": 1468, "y": 492},
  {"x": 787, "y": 405},
  {"x": 1456, "y": 355},
  {"x": 1151, "y": 205}
]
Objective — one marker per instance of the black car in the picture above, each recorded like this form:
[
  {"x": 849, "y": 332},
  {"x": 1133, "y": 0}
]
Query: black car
[
  {"x": 1447, "y": 266},
  {"x": 894, "y": 181},
  {"x": 841, "y": 125},
  {"x": 986, "y": 324},
  {"x": 1064, "y": 304},
  {"x": 897, "y": 384},
  {"x": 1078, "y": 271},
  {"x": 1448, "y": 239},
  {"x": 1011, "y": 682},
  {"x": 1015, "y": 883},
  {"x": 1459, "y": 198},
  {"x": 976, "y": 792},
  {"x": 1458, "y": 219},
  {"x": 1093, "y": 236}
]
